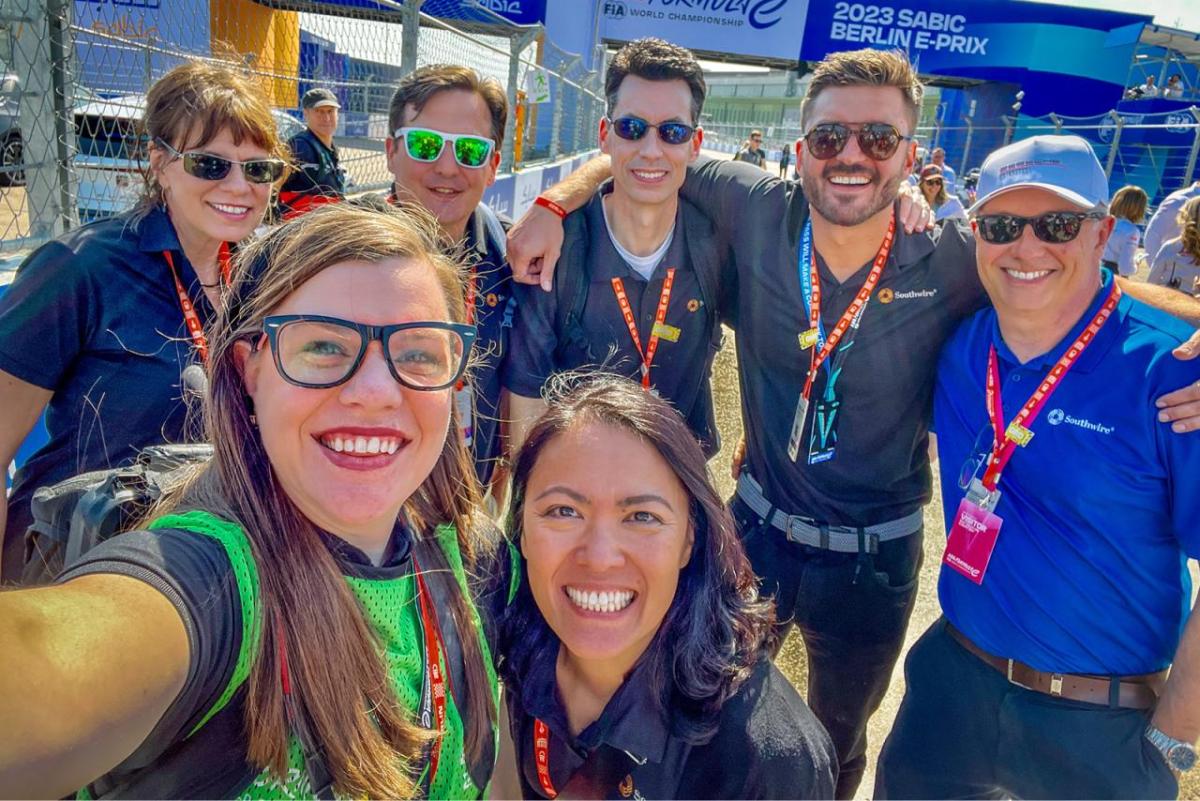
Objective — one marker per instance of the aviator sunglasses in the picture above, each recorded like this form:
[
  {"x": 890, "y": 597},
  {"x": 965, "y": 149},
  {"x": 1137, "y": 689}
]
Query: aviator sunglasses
[
  {"x": 318, "y": 352},
  {"x": 426, "y": 144},
  {"x": 1055, "y": 227},
  {"x": 208, "y": 167},
  {"x": 877, "y": 140},
  {"x": 634, "y": 128}
]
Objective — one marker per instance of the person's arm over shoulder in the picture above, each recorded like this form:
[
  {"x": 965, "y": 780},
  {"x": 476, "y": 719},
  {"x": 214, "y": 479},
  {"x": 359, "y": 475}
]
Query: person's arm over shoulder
[
  {"x": 1176, "y": 304},
  {"x": 731, "y": 193}
]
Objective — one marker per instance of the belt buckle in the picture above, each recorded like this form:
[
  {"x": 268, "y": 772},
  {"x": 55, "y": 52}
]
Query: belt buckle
[
  {"x": 794, "y": 522},
  {"x": 1011, "y": 680}
]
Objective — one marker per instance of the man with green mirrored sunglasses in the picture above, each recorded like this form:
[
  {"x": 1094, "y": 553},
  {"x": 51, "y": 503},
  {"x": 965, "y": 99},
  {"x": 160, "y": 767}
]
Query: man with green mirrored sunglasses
[{"x": 447, "y": 123}]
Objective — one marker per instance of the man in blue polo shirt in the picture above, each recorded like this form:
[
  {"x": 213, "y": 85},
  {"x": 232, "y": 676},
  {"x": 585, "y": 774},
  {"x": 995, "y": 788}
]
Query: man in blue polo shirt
[{"x": 1071, "y": 513}]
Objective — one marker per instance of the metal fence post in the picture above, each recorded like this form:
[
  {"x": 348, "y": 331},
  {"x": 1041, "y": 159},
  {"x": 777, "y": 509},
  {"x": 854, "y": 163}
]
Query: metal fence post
[
  {"x": 410, "y": 35},
  {"x": 1116, "y": 143},
  {"x": 1009, "y": 124},
  {"x": 1058, "y": 122},
  {"x": 962, "y": 167},
  {"x": 41, "y": 48},
  {"x": 1191, "y": 162},
  {"x": 517, "y": 45},
  {"x": 937, "y": 134},
  {"x": 556, "y": 116}
]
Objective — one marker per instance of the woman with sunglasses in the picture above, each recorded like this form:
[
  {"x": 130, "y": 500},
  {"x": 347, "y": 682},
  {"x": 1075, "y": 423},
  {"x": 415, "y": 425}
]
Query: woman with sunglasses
[
  {"x": 634, "y": 662},
  {"x": 99, "y": 326},
  {"x": 933, "y": 187},
  {"x": 295, "y": 620}
]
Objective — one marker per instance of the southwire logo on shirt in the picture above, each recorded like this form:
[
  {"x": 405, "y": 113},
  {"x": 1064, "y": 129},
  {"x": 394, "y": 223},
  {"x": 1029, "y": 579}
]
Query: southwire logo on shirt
[
  {"x": 1058, "y": 417},
  {"x": 887, "y": 295}
]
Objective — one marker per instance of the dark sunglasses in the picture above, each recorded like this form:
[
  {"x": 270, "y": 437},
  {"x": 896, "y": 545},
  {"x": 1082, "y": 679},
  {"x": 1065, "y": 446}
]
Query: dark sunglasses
[
  {"x": 426, "y": 144},
  {"x": 933, "y": 181},
  {"x": 319, "y": 352},
  {"x": 634, "y": 128},
  {"x": 208, "y": 167},
  {"x": 878, "y": 140},
  {"x": 1055, "y": 227}
]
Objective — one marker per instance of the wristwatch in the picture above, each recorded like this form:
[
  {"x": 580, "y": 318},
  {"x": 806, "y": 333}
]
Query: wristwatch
[{"x": 1180, "y": 756}]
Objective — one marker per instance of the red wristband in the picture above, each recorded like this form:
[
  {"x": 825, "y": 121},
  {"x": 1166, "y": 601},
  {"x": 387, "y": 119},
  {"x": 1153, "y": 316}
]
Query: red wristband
[{"x": 547, "y": 203}]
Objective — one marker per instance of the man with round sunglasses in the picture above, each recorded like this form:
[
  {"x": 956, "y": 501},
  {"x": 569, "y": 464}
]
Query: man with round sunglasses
[
  {"x": 318, "y": 177},
  {"x": 447, "y": 123},
  {"x": 639, "y": 294},
  {"x": 1071, "y": 514},
  {"x": 840, "y": 314}
]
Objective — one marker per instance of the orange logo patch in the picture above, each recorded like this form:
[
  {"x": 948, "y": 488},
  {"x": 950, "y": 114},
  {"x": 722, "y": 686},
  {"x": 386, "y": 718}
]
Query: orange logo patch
[
  {"x": 491, "y": 299},
  {"x": 886, "y": 295},
  {"x": 626, "y": 786},
  {"x": 693, "y": 305}
]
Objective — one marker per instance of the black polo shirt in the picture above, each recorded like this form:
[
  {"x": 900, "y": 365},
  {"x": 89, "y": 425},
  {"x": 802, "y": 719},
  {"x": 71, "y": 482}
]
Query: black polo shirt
[
  {"x": 880, "y": 470},
  {"x": 317, "y": 170},
  {"x": 495, "y": 316},
  {"x": 94, "y": 316},
  {"x": 768, "y": 743},
  {"x": 680, "y": 371}
]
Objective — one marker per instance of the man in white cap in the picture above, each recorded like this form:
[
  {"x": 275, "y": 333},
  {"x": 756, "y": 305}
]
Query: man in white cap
[
  {"x": 1071, "y": 514},
  {"x": 318, "y": 177}
]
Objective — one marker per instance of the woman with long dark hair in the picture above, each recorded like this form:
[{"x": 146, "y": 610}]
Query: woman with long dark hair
[
  {"x": 296, "y": 619},
  {"x": 633, "y": 648}
]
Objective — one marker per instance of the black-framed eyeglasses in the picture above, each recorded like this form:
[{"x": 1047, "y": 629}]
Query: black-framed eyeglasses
[
  {"x": 319, "y": 352},
  {"x": 208, "y": 167},
  {"x": 1055, "y": 227},
  {"x": 634, "y": 128},
  {"x": 426, "y": 144},
  {"x": 877, "y": 140}
]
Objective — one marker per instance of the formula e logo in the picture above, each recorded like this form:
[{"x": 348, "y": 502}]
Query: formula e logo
[{"x": 1055, "y": 417}]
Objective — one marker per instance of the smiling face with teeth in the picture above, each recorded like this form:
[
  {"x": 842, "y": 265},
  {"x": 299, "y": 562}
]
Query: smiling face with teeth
[
  {"x": 605, "y": 534},
  {"x": 648, "y": 171},
  {"x": 211, "y": 212},
  {"x": 851, "y": 188},
  {"x": 350, "y": 456},
  {"x": 1044, "y": 287},
  {"x": 446, "y": 189}
]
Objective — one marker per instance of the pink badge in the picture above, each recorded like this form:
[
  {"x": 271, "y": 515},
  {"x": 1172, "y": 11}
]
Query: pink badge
[{"x": 972, "y": 540}]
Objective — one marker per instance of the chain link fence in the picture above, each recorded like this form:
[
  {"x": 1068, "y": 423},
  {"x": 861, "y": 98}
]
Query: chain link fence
[{"x": 76, "y": 73}]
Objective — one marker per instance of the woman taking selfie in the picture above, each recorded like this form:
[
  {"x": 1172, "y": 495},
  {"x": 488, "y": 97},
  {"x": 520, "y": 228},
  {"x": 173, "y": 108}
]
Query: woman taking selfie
[
  {"x": 99, "y": 325},
  {"x": 296, "y": 621},
  {"x": 633, "y": 649}
]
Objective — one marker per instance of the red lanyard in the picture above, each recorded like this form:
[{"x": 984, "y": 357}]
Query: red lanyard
[
  {"x": 541, "y": 753},
  {"x": 190, "y": 318},
  {"x": 434, "y": 691},
  {"x": 1005, "y": 441},
  {"x": 852, "y": 311},
  {"x": 472, "y": 281},
  {"x": 660, "y": 318}
]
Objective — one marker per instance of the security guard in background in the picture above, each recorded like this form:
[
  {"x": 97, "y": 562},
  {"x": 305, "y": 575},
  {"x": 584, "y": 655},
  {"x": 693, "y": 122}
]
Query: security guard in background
[{"x": 317, "y": 178}]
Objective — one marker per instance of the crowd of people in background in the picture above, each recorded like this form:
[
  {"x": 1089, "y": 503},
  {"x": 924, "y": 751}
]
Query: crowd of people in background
[{"x": 441, "y": 480}]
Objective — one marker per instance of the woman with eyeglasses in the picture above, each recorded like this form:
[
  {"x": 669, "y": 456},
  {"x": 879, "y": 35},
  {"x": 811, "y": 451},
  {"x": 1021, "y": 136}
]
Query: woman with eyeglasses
[
  {"x": 633, "y": 649},
  {"x": 933, "y": 187},
  {"x": 100, "y": 325},
  {"x": 295, "y": 620}
]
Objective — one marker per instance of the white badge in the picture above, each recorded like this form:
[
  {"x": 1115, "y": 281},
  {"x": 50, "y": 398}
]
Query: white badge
[
  {"x": 798, "y": 428},
  {"x": 463, "y": 403}
]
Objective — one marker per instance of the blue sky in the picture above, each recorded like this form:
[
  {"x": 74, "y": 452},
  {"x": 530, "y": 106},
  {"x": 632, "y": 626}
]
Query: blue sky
[{"x": 1173, "y": 13}]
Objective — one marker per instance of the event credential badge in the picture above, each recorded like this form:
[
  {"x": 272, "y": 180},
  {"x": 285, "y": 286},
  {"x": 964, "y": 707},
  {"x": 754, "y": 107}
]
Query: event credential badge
[{"x": 973, "y": 535}]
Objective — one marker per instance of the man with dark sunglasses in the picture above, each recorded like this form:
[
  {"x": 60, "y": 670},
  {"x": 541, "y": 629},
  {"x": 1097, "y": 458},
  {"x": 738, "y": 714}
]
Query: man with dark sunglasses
[
  {"x": 1071, "y": 515},
  {"x": 639, "y": 294},
  {"x": 318, "y": 177},
  {"x": 840, "y": 315},
  {"x": 751, "y": 151},
  {"x": 446, "y": 124}
]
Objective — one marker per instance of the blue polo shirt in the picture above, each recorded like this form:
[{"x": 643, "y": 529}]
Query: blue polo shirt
[
  {"x": 1100, "y": 509},
  {"x": 94, "y": 316}
]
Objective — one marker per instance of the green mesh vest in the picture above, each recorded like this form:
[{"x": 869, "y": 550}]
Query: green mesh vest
[{"x": 392, "y": 610}]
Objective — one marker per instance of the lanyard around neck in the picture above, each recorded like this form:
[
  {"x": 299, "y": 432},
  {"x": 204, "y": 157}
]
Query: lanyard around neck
[
  {"x": 660, "y": 319},
  {"x": 433, "y": 686},
  {"x": 190, "y": 318},
  {"x": 1017, "y": 433},
  {"x": 810, "y": 289}
]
